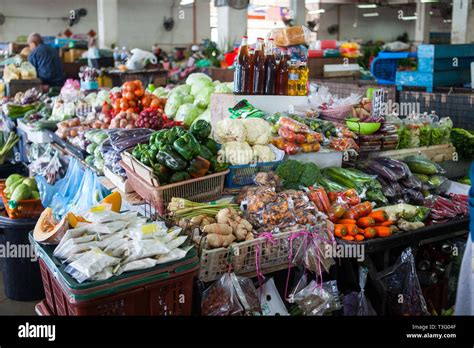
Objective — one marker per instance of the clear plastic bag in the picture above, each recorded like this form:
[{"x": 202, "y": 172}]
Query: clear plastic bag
[
  {"x": 230, "y": 295},
  {"x": 313, "y": 299},
  {"x": 364, "y": 306},
  {"x": 298, "y": 35},
  {"x": 403, "y": 289}
]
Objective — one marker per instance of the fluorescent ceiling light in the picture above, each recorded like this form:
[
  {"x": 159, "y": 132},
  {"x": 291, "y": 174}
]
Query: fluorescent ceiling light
[
  {"x": 312, "y": 1},
  {"x": 431, "y": 13},
  {"x": 409, "y": 18},
  {"x": 186, "y": 2},
  {"x": 447, "y": 20},
  {"x": 367, "y": 6},
  {"x": 370, "y": 14},
  {"x": 322, "y": 10},
  {"x": 425, "y": 1}
]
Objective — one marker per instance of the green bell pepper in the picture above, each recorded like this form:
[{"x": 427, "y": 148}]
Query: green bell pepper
[
  {"x": 187, "y": 146},
  {"x": 218, "y": 167},
  {"x": 179, "y": 176},
  {"x": 171, "y": 159},
  {"x": 145, "y": 158},
  {"x": 206, "y": 153},
  {"x": 162, "y": 172},
  {"x": 153, "y": 150},
  {"x": 211, "y": 145},
  {"x": 158, "y": 136},
  {"x": 175, "y": 133},
  {"x": 200, "y": 129}
]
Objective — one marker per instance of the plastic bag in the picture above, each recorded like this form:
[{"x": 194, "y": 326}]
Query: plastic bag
[
  {"x": 404, "y": 293},
  {"x": 290, "y": 36},
  {"x": 313, "y": 299},
  {"x": 230, "y": 295},
  {"x": 139, "y": 59},
  {"x": 365, "y": 307},
  {"x": 243, "y": 109}
]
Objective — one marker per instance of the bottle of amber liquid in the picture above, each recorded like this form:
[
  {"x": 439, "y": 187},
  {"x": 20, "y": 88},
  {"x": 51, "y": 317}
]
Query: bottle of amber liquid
[
  {"x": 258, "y": 68},
  {"x": 293, "y": 77},
  {"x": 302, "y": 85},
  {"x": 281, "y": 80},
  {"x": 270, "y": 68},
  {"x": 251, "y": 55},
  {"x": 242, "y": 70}
]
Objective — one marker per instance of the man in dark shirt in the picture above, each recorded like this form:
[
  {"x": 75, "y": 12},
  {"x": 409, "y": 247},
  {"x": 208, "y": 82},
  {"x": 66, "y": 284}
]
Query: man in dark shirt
[{"x": 46, "y": 61}]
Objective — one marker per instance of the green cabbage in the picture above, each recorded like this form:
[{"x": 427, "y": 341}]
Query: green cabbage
[
  {"x": 225, "y": 87},
  {"x": 206, "y": 116},
  {"x": 199, "y": 85},
  {"x": 182, "y": 90},
  {"x": 193, "y": 78},
  {"x": 188, "y": 99},
  {"x": 160, "y": 92},
  {"x": 187, "y": 113},
  {"x": 172, "y": 104},
  {"x": 203, "y": 98}
]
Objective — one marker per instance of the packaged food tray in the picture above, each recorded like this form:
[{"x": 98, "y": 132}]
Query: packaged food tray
[{"x": 161, "y": 290}]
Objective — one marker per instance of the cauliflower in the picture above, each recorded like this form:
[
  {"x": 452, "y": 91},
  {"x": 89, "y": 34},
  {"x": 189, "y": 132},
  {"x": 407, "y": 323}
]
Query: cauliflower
[
  {"x": 263, "y": 153},
  {"x": 259, "y": 131},
  {"x": 235, "y": 153},
  {"x": 230, "y": 130}
]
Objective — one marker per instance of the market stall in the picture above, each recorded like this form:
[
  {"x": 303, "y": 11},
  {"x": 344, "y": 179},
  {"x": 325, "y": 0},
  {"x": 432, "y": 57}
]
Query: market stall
[{"x": 231, "y": 198}]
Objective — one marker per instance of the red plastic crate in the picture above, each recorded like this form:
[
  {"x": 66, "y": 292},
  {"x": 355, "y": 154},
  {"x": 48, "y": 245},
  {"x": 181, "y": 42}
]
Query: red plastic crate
[{"x": 170, "y": 296}]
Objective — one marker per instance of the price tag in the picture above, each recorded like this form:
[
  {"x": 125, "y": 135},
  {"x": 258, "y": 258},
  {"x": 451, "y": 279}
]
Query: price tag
[
  {"x": 236, "y": 251},
  {"x": 149, "y": 229},
  {"x": 97, "y": 209}
]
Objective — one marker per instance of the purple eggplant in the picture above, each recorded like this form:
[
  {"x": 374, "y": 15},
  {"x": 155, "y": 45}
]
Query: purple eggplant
[
  {"x": 412, "y": 182},
  {"x": 414, "y": 197},
  {"x": 397, "y": 167}
]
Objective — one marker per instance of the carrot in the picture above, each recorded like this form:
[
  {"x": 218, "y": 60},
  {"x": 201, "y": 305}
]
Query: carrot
[
  {"x": 358, "y": 211},
  {"x": 340, "y": 231},
  {"x": 386, "y": 223},
  {"x": 366, "y": 221},
  {"x": 370, "y": 232},
  {"x": 379, "y": 215},
  {"x": 347, "y": 222},
  {"x": 359, "y": 237},
  {"x": 352, "y": 230},
  {"x": 383, "y": 231},
  {"x": 348, "y": 238}
]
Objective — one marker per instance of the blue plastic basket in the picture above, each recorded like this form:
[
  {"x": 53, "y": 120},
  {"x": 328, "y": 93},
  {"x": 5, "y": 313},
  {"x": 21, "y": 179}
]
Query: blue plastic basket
[
  {"x": 242, "y": 175},
  {"x": 384, "y": 66}
]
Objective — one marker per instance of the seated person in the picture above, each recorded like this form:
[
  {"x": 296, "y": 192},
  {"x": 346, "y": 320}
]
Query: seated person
[{"x": 46, "y": 61}]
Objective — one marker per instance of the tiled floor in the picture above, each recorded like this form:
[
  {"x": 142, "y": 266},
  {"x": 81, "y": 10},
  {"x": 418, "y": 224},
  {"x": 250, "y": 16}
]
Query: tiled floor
[{"x": 10, "y": 307}]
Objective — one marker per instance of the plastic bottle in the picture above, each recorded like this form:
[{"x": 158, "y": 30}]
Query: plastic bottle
[
  {"x": 270, "y": 69},
  {"x": 293, "y": 78},
  {"x": 258, "y": 68},
  {"x": 117, "y": 57},
  {"x": 302, "y": 85},
  {"x": 242, "y": 69},
  {"x": 124, "y": 55},
  {"x": 282, "y": 74}
]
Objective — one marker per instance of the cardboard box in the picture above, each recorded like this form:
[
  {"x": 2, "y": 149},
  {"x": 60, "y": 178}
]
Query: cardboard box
[
  {"x": 316, "y": 65},
  {"x": 73, "y": 54}
]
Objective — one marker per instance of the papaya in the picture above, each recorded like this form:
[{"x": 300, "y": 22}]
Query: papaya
[
  {"x": 35, "y": 195},
  {"x": 10, "y": 189},
  {"x": 48, "y": 229}
]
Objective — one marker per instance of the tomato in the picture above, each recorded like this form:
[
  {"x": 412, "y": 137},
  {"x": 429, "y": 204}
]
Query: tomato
[
  {"x": 123, "y": 104},
  {"x": 117, "y": 104},
  {"x": 139, "y": 92},
  {"x": 138, "y": 84},
  {"x": 132, "y": 103},
  {"x": 155, "y": 103},
  {"x": 129, "y": 87},
  {"x": 146, "y": 100},
  {"x": 129, "y": 95}
]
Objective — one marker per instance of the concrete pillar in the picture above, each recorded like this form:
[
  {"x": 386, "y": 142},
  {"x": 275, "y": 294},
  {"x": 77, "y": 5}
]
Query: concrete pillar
[
  {"x": 107, "y": 16},
  {"x": 422, "y": 25},
  {"x": 203, "y": 20},
  {"x": 231, "y": 26},
  {"x": 462, "y": 27},
  {"x": 299, "y": 12}
]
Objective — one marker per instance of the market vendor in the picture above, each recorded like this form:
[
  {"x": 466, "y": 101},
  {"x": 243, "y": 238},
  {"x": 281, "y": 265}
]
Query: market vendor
[{"x": 46, "y": 61}]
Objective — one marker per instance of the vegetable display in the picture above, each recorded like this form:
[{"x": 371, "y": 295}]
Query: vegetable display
[{"x": 6, "y": 146}]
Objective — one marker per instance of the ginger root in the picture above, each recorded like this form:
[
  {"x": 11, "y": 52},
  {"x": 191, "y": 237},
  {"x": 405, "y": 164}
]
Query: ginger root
[
  {"x": 217, "y": 228},
  {"x": 215, "y": 240},
  {"x": 240, "y": 226}
]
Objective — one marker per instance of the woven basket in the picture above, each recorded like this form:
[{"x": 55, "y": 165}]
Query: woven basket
[{"x": 338, "y": 113}]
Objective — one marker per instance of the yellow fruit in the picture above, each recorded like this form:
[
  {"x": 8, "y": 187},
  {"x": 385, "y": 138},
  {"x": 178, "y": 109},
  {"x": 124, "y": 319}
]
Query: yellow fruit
[{"x": 115, "y": 199}]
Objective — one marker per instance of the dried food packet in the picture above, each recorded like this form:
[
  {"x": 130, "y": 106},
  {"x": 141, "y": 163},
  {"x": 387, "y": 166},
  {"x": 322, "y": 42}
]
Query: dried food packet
[
  {"x": 220, "y": 298},
  {"x": 149, "y": 231},
  {"x": 91, "y": 263},
  {"x": 243, "y": 109}
]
